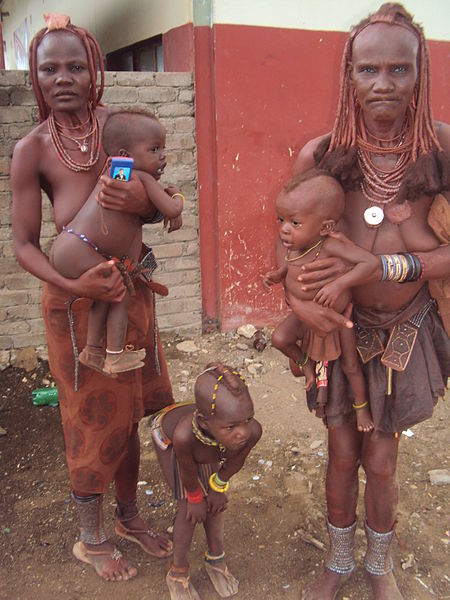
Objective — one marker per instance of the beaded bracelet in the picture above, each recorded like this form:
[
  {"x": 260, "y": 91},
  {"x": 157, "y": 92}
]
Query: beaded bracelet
[
  {"x": 402, "y": 267},
  {"x": 194, "y": 497},
  {"x": 217, "y": 485},
  {"x": 178, "y": 194}
]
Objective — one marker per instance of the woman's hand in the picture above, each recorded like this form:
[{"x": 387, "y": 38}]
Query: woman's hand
[
  {"x": 102, "y": 282},
  {"x": 318, "y": 273},
  {"x": 126, "y": 196},
  {"x": 196, "y": 513},
  {"x": 320, "y": 319}
]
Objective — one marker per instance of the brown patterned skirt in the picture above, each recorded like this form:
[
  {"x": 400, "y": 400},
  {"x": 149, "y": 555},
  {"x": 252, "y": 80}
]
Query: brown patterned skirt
[
  {"x": 415, "y": 390},
  {"x": 98, "y": 418}
]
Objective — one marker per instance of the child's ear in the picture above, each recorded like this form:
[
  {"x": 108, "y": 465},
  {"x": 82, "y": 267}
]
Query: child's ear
[
  {"x": 202, "y": 420},
  {"x": 327, "y": 227},
  {"x": 123, "y": 152}
]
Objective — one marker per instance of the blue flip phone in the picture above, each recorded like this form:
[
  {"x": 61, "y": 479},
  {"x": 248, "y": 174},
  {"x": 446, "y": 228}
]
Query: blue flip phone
[{"x": 121, "y": 168}]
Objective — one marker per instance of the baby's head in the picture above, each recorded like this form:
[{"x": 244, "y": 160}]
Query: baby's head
[
  {"x": 224, "y": 407},
  {"x": 137, "y": 134},
  {"x": 308, "y": 208}
]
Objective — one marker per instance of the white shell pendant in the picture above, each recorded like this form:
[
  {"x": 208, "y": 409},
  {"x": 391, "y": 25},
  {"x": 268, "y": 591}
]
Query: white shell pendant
[
  {"x": 83, "y": 148},
  {"x": 373, "y": 216}
]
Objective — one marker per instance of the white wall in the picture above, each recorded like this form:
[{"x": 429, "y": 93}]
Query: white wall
[
  {"x": 328, "y": 15},
  {"x": 115, "y": 23}
]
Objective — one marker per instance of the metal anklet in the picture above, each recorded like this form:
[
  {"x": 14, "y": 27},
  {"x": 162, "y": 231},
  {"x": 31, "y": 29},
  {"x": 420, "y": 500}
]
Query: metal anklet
[
  {"x": 340, "y": 557},
  {"x": 378, "y": 560},
  {"x": 90, "y": 513}
]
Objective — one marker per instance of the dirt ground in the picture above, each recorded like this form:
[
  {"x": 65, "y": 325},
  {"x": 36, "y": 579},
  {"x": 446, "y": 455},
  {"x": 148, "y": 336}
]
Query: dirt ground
[{"x": 275, "y": 524}]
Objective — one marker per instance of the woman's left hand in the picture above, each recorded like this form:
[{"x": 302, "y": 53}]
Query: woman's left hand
[{"x": 125, "y": 196}]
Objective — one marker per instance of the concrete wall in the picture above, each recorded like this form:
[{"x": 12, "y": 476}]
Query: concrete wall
[{"x": 171, "y": 97}]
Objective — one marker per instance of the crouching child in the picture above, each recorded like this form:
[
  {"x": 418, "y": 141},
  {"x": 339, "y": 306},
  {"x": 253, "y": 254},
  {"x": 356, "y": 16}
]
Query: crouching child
[{"x": 200, "y": 446}]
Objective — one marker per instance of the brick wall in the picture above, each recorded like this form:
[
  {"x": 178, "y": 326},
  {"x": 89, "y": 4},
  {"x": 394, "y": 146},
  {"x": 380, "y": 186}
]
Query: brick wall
[{"x": 171, "y": 97}]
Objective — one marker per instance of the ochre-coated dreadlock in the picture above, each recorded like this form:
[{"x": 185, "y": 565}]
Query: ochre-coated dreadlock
[
  {"x": 94, "y": 55},
  {"x": 429, "y": 169}
]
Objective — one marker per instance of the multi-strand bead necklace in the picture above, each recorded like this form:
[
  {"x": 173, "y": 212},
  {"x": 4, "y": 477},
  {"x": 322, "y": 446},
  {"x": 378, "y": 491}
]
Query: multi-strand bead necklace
[
  {"x": 86, "y": 142},
  {"x": 381, "y": 186}
]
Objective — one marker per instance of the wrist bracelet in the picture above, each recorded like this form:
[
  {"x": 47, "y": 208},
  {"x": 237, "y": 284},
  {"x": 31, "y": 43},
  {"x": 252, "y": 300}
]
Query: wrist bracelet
[
  {"x": 217, "y": 485},
  {"x": 178, "y": 194},
  {"x": 194, "y": 497}
]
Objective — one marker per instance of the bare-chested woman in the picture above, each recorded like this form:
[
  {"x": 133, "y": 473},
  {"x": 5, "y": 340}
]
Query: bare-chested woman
[
  {"x": 392, "y": 160},
  {"x": 62, "y": 156}
]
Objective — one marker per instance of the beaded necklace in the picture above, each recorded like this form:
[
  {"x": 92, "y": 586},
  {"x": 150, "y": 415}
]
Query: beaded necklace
[
  {"x": 317, "y": 244},
  {"x": 381, "y": 186},
  {"x": 202, "y": 437},
  {"x": 92, "y": 138}
]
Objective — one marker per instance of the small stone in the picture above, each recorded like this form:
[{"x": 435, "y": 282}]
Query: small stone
[
  {"x": 24, "y": 380},
  {"x": 142, "y": 482},
  {"x": 295, "y": 450},
  {"x": 439, "y": 476},
  {"x": 269, "y": 463},
  {"x": 187, "y": 346},
  {"x": 45, "y": 381},
  {"x": 256, "y": 477},
  {"x": 149, "y": 492},
  {"x": 170, "y": 529},
  {"x": 3, "y": 431},
  {"x": 261, "y": 461},
  {"x": 407, "y": 563},
  {"x": 247, "y": 331},
  {"x": 182, "y": 388},
  {"x": 241, "y": 346},
  {"x": 316, "y": 444},
  {"x": 255, "y": 368}
]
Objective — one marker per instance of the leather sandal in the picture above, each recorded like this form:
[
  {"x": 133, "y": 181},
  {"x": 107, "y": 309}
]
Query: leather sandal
[
  {"x": 130, "y": 535},
  {"x": 180, "y": 575}
]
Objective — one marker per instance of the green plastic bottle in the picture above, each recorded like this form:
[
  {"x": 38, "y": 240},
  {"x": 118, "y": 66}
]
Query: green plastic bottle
[{"x": 45, "y": 396}]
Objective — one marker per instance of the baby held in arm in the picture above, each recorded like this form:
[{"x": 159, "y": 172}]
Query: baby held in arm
[
  {"x": 308, "y": 209},
  {"x": 98, "y": 234}
]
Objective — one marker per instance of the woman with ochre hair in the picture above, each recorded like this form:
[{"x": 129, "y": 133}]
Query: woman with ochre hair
[{"x": 63, "y": 157}]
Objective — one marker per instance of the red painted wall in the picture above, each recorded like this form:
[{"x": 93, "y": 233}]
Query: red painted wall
[
  {"x": 274, "y": 90},
  {"x": 261, "y": 93},
  {"x": 178, "y": 48}
]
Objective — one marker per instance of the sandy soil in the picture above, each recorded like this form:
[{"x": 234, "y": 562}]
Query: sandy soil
[{"x": 275, "y": 524}]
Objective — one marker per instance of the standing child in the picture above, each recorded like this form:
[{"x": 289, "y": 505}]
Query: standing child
[
  {"x": 308, "y": 209},
  {"x": 200, "y": 447},
  {"x": 97, "y": 233}
]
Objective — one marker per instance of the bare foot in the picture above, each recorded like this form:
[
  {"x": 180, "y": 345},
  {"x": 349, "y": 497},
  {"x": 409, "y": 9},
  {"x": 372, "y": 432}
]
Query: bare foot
[
  {"x": 326, "y": 586},
  {"x": 224, "y": 582},
  {"x": 384, "y": 587},
  {"x": 107, "y": 561},
  {"x": 179, "y": 584},
  {"x": 364, "y": 419},
  {"x": 153, "y": 542},
  {"x": 307, "y": 371}
]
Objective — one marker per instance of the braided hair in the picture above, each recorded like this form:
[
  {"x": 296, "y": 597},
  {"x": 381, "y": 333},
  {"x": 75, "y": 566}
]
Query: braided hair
[
  {"x": 429, "y": 169},
  {"x": 95, "y": 60}
]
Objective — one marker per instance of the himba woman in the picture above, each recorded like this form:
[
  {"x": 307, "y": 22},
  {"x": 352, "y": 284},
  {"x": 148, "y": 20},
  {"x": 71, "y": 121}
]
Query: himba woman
[
  {"x": 62, "y": 156},
  {"x": 393, "y": 162}
]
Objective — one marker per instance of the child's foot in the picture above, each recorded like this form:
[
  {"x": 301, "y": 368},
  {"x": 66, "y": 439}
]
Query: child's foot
[
  {"x": 107, "y": 561},
  {"x": 310, "y": 375},
  {"x": 364, "y": 420},
  {"x": 126, "y": 360},
  {"x": 92, "y": 357},
  {"x": 224, "y": 582},
  {"x": 179, "y": 584}
]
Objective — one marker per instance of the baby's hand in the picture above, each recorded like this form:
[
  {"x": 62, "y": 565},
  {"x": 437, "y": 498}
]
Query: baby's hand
[
  {"x": 174, "y": 223},
  {"x": 172, "y": 189},
  {"x": 270, "y": 279},
  {"x": 328, "y": 295}
]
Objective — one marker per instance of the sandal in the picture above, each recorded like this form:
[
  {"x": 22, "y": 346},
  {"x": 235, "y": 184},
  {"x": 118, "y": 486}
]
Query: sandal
[
  {"x": 81, "y": 552},
  {"x": 130, "y": 535},
  {"x": 181, "y": 576},
  {"x": 94, "y": 359},
  {"x": 226, "y": 588}
]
